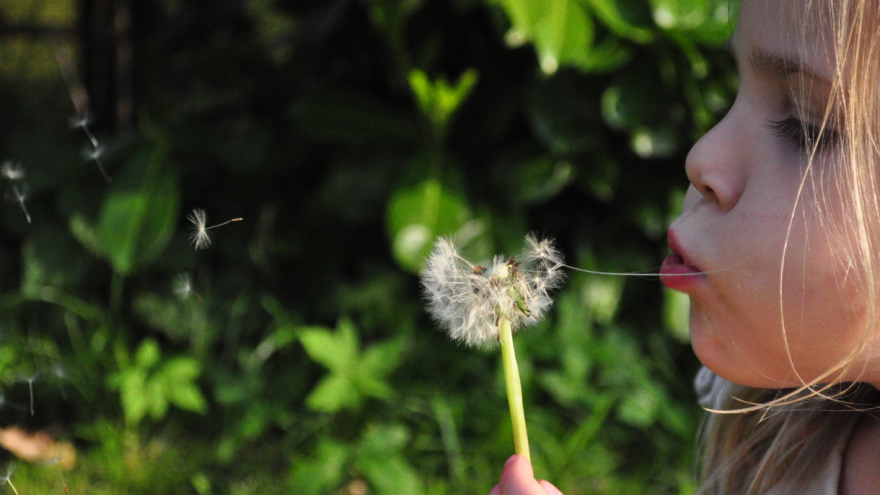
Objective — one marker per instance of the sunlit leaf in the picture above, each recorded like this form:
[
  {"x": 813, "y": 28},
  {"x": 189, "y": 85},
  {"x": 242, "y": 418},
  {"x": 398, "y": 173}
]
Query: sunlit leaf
[
  {"x": 417, "y": 215},
  {"x": 626, "y": 18},
  {"x": 333, "y": 393},
  {"x": 335, "y": 350},
  {"x": 320, "y": 473},
  {"x": 141, "y": 211}
]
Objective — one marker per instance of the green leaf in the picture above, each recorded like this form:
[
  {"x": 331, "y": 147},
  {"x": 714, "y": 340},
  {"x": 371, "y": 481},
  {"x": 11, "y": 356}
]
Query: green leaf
[
  {"x": 335, "y": 350},
  {"x": 371, "y": 386},
  {"x": 187, "y": 396},
  {"x": 140, "y": 213},
  {"x": 541, "y": 179},
  {"x": 156, "y": 393},
  {"x": 622, "y": 18},
  {"x": 132, "y": 387},
  {"x": 560, "y": 29},
  {"x": 602, "y": 297},
  {"x": 676, "y": 314},
  {"x": 322, "y": 472},
  {"x": 84, "y": 232},
  {"x": 707, "y": 22},
  {"x": 417, "y": 215},
  {"x": 334, "y": 393},
  {"x": 381, "y": 460},
  {"x": 380, "y": 359},
  {"x": 182, "y": 369},
  {"x": 148, "y": 354},
  {"x": 640, "y": 407},
  {"x": 438, "y": 100},
  {"x": 391, "y": 475}
]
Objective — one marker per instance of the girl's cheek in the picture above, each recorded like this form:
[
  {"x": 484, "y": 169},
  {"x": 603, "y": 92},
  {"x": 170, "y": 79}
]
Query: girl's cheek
[{"x": 691, "y": 198}]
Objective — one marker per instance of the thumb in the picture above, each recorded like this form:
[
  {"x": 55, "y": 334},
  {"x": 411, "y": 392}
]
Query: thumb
[
  {"x": 549, "y": 488},
  {"x": 518, "y": 478}
]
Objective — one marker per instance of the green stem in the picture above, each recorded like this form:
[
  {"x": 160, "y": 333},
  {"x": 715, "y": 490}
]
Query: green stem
[{"x": 514, "y": 390}]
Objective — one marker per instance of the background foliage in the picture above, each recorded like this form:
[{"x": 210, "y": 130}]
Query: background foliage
[{"x": 349, "y": 134}]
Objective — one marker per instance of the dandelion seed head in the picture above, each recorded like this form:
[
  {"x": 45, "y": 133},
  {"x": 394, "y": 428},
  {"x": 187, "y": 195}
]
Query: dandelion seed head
[
  {"x": 12, "y": 171},
  {"x": 469, "y": 300},
  {"x": 199, "y": 236}
]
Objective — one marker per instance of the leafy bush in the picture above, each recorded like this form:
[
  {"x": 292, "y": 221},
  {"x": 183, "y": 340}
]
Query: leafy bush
[{"x": 349, "y": 135}]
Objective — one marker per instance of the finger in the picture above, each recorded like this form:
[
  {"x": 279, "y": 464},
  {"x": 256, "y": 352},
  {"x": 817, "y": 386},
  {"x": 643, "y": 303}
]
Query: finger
[
  {"x": 496, "y": 490},
  {"x": 548, "y": 487},
  {"x": 519, "y": 479}
]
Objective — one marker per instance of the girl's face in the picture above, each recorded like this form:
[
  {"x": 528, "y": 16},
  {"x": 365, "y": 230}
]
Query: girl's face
[{"x": 758, "y": 317}]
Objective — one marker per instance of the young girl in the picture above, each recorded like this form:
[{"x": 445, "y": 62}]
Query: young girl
[{"x": 778, "y": 247}]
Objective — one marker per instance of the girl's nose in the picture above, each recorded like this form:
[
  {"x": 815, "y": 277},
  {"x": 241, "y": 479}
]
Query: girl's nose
[{"x": 715, "y": 164}]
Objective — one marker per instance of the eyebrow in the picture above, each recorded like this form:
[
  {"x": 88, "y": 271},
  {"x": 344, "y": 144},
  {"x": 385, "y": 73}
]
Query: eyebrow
[{"x": 776, "y": 65}]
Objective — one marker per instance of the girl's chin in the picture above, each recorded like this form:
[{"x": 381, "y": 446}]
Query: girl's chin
[{"x": 718, "y": 352}]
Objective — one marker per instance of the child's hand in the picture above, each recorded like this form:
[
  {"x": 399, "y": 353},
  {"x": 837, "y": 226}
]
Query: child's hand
[{"x": 519, "y": 479}]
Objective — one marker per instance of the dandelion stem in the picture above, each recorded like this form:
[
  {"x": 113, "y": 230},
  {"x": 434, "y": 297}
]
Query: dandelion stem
[
  {"x": 514, "y": 390},
  {"x": 13, "y": 486}
]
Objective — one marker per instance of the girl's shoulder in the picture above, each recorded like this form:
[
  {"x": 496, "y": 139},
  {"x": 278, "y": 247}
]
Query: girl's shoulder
[
  {"x": 860, "y": 470},
  {"x": 852, "y": 464}
]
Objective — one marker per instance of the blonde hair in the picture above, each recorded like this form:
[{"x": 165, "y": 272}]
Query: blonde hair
[{"x": 777, "y": 435}]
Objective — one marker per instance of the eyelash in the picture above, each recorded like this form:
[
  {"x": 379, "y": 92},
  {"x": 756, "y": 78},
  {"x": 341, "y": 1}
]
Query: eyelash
[{"x": 803, "y": 135}]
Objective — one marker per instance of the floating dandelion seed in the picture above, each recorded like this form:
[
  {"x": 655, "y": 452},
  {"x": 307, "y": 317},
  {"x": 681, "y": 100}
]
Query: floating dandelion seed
[
  {"x": 199, "y": 235},
  {"x": 183, "y": 287},
  {"x": 21, "y": 195},
  {"x": 479, "y": 306},
  {"x": 93, "y": 153},
  {"x": 80, "y": 122},
  {"x": 30, "y": 381},
  {"x": 7, "y": 478},
  {"x": 468, "y": 300},
  {"x": 12, "y": 171}
]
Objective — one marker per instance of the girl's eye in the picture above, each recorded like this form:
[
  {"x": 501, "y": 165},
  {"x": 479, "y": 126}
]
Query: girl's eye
[{"x": 803, "y": 135}]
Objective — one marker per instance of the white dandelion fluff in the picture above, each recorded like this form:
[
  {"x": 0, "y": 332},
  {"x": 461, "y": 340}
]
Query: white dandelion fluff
[
  {"x": 183, "y": 286},
  {"x": 199, "y": 235},
  {"x": 12, "y": 171},
  {"x": 7, "y": 478},
  {"x": 469, "y": 300},
  {"x": 21, "y": 195}
]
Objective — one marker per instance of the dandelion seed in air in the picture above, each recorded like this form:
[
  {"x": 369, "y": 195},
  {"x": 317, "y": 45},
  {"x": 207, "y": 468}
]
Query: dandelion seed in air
[
  {"x": 31, "y": 379},
  {"x": 480, "y": 305},
  {"x": 7, "y": 478},
  {"x": 12, "y": 171},
  {"x": 21, "y": 195},
  {"x": 183, "y": 287},
  {"x": 80, "y": 122},
  {"x": 199, "y": 236}
]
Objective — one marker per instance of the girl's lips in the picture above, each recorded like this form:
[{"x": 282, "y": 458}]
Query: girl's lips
[{"x": 677, "y": 275}]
